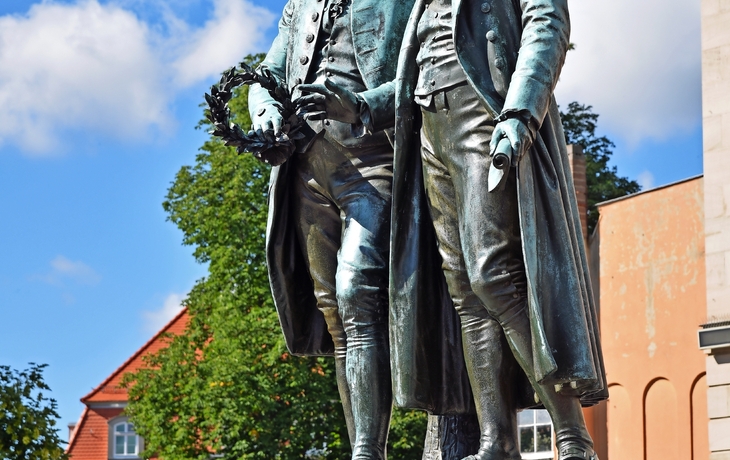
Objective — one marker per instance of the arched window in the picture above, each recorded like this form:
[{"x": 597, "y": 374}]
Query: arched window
[
  {"x": 125, "y": 442},
  {"x": 536, "y": 434}
]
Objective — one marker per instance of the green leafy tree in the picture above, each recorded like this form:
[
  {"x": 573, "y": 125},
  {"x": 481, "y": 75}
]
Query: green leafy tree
[
  {"x": 604, "y": 183},
  {"x": 27, "y": 417},
  {"x": 228, "y": 385}
]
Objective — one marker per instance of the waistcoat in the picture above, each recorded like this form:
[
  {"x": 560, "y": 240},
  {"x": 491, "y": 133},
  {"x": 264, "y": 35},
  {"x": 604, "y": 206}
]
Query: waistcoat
[
  {"x": 334, "y": 59},
  {"x": 438, "y": 65}
]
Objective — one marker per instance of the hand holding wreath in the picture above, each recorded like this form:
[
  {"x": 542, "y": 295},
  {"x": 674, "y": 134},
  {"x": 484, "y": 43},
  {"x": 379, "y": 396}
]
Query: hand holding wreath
[{"x": 276, "y": 127}]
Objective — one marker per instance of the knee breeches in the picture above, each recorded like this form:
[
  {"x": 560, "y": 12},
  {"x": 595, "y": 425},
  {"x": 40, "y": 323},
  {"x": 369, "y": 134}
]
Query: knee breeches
[
  {"x": 478, "y": 232},
  {"x": 342, "y": 209}
]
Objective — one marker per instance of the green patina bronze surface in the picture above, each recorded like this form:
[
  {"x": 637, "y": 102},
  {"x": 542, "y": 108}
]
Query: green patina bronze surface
[{"x": 404, "y": 102}]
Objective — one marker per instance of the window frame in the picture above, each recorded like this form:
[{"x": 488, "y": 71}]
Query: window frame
[
  {"x": 541, "y": 455},
  {"x": 113, "y": 434}
]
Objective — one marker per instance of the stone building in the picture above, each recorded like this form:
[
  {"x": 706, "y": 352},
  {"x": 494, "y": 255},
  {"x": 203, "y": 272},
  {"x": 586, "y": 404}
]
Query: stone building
[
  {"x": 648, "y": 261},
  {"x": 716, "y": 140}
]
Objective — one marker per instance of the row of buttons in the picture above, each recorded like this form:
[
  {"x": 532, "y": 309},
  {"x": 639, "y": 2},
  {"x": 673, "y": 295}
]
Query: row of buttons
[
  {"x": 303, "y": 60},
  {"x": 492, "y": 35}
]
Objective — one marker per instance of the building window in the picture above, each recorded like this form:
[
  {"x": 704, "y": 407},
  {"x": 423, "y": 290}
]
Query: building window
[
  {"x": 536, "y": 434},
  {"x": 125, "y": 440}
]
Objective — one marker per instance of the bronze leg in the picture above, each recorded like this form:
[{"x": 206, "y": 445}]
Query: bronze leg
[
  {"x": 489, "y": 362},
  {"x": 489, "y": 245},
  {"x": 343, "y": 213}
]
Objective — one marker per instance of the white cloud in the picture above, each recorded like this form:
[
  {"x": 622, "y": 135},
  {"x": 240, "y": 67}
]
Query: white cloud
[
  {"x": 646, "y": 180},
  {"x": 155, "y": 320},
  {"x": 638, "y": 64},
  {"x": 63, "y": 269},
  {"x": 98, "y": 68},
  {"x": 233, "y": 32}
]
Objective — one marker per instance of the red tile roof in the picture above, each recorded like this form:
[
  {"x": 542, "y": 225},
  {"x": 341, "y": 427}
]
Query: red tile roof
[
  {"x": 90, "y": 439},
  {"x": 109, "y": 390}
]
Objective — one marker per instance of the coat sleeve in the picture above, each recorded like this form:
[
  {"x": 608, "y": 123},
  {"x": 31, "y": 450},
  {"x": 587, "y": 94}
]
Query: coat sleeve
[
  {"x": 543, "y": 45},
  {"x": 381, "y": 103},
  {"x": 275, "y": 61}
]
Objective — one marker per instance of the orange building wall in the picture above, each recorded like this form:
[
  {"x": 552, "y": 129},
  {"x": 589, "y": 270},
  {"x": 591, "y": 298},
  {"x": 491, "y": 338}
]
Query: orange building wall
[{"x": 652, "y": 298}]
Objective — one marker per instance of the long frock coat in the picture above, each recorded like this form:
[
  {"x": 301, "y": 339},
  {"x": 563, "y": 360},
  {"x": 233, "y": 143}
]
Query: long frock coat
[
  {"x": 377, "y": 30},
  {"x": 512, "y": 52}
]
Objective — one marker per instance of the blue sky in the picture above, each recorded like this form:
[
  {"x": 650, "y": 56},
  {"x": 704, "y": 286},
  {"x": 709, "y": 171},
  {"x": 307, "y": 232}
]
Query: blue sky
[{"x": 98, "y": 104}]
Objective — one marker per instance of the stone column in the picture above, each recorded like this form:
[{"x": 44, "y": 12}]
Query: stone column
[{"x": 716, "y": 140}]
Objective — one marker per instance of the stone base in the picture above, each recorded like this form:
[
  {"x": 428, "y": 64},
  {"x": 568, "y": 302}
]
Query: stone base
[{"x": 451, "y": 437}]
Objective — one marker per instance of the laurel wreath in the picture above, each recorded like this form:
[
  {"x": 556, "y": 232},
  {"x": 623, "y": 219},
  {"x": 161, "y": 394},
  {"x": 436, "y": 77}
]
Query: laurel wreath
[{"x": 264, "y": 146}]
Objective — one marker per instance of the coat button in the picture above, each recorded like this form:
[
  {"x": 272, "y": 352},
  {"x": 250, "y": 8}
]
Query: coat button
[
  {"x": 315, "y": 16},
  {"x": 310, "y": 38},
  {"x": 329, "y": 74},
  {"x": 260, "y": 111},
  {"x": 331, "y": 59},
  {"x": 303, "y": 60},
  {"x": 499, "y": 63},
  {"x": 486, "y": 7},
  {"x": 491, "y": 35}
]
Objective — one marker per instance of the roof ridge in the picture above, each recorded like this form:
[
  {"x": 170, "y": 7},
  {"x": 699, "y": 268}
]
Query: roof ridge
[{"x": 129, "y": 360}]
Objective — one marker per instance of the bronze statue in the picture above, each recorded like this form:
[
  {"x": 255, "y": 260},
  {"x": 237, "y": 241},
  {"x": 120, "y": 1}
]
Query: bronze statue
[
  {"x": 471, "y": 74},
  {"x": 328, "y": 229},
  {"x": 329, "y": 224},
  {"x": 512, "y": 259}
]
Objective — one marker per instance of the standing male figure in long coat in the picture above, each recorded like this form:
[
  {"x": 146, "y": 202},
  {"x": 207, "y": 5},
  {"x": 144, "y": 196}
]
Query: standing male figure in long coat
[
  {"x": 330, "y": 203},
  {"x": 472, "y": 73}
]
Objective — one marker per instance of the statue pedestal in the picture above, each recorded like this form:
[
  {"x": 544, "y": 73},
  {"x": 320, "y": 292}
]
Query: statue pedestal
[{"x": 451, "y": 437}]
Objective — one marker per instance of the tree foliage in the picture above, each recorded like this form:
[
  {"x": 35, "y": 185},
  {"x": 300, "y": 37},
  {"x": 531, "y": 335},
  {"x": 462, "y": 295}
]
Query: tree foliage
[
  {"x": 228, "y": 385},
  {"x": 604, "y": 183},
  {"x": 27, "y": 417}
]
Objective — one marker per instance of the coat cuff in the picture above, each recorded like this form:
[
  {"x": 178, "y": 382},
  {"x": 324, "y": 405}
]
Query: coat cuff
[
  {"x": 380, "y": 103},
  {"x": 529, "y": 98},
  {"x": 258, "y": 97}
]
